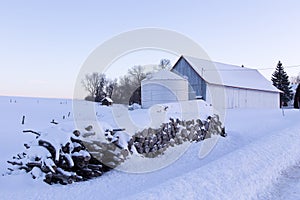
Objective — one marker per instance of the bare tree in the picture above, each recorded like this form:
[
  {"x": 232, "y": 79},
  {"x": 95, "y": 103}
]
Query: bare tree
[
  {"x": 165, "y": 64},
  {"x": 295, "y": 79},
  {"x": 98, "y": 86},
  {"x": 90, "y": 83},
  {"x": 128, "y": 89},
  {"x": 123, "y": 90},
  {"x": 137, "y": 74},
  {"x": 111, "y": 85}
]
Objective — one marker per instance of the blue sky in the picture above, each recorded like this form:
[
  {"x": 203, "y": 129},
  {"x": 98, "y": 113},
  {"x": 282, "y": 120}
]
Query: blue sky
[{"x": 44, "y": 43}]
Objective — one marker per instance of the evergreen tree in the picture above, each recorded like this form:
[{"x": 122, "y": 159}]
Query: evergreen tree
[{"x": 281, "y": 81}]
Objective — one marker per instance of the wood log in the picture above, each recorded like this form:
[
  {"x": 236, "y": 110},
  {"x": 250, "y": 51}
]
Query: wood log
[
  {"x": 15, "y": 163},
  {"x": 54, "y": 122},
  {"x": 48, "y": 146},
  {"x": 94, "y": 167},
  {"x": 31, "y": 131},
  {"x": 58, "y": 178},
  {"x": 223, "y": 133},
  {"x": 34, "y": 164},
  {"x": 76, "y": 133},
  {"x": 68, "y": 159},
  {"x": 113, "y": 131},
  {"x": 77, "y": 140},
  {"x": 116, "y": 143}
]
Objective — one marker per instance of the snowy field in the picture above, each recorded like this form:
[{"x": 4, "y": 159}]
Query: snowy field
[{"x": 259, "y": 159}]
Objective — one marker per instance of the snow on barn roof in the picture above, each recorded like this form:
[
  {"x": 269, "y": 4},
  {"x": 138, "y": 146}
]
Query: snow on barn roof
[
  {"x": 230, "y": 75},
  {"x": 107, "y": 99},
  {"x": 164, "y": 75}
]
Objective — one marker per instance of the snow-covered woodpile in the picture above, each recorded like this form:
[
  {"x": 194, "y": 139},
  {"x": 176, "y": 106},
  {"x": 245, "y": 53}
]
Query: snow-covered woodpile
[
  {"x": 111, "y": 152},
  {"x": 152, "y": 142},
  {"x": 57, "y": 159},
  {"x": 61, "y": 157}
]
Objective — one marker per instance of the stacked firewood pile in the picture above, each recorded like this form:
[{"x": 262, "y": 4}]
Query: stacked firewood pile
[
  {"x": 61, "y": 160},
  {"x": 110, "y": 152},
  {"x": 61, "y": 157},
  {"x": 152, "y": 142}
]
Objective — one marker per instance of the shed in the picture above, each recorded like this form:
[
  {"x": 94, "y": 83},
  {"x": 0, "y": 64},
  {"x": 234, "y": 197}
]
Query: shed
[
  {"x": 162, "y": 87},
  {"x": 106, "y": 101},
  {"x": 228, "y": 86}
]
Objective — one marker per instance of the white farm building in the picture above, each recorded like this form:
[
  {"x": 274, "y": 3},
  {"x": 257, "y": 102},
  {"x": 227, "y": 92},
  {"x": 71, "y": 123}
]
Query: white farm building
[
  {"x": 163, "y": 87},
  {"x": 226, "y": 85}
]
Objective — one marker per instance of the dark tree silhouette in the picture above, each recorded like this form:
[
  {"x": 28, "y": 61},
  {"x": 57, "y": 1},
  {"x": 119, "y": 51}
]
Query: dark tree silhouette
[
  {"x": 128, "y": 91},
  {"x": 136, "y": 97},
  {"x": 280, "y": 80},
  {"x": 165, "y": 64},
  {"x": 297, "y": 97},
  {"x": 98, "y": 86}
]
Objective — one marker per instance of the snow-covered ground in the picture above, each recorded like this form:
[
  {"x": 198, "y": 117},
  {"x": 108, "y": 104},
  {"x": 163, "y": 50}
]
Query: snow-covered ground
[
  {"x": 258, "y": 160},
  {"x": 288, "y": 185}
]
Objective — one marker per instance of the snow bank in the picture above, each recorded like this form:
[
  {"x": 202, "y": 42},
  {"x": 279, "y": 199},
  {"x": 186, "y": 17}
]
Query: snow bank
[
  {"x": 240, "y": 166},
  {"x": 243, "y": 174}
]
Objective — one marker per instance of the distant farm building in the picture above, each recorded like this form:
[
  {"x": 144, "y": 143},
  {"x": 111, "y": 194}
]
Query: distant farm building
[
  {"x": 163, "y": 87},
  {"x": 226, "y": 85},
  {"x": 106, "y": 101}
]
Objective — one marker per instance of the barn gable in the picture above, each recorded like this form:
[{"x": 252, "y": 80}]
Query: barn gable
[{"x": 197, "y": 85}]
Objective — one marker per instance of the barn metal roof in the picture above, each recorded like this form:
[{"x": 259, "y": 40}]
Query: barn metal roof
[
  {"x": 230, "y": 75},
  {"x": 164, "y": 75}
]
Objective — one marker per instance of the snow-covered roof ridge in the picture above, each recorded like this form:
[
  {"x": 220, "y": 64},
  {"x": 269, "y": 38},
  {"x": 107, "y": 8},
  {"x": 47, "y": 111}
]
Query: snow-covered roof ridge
[
  {"x": 108, "y": 99},
  {"x": 164, "y": 74},
  {"x": 230, "y": 75}
]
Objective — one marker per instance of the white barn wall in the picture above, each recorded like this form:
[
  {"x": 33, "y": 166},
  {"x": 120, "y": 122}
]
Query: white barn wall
[
  {"x": 262, "y": 99},
  {"x": 230, "y": 97},
  {"x": 215, "y": 95},
  {"x": 163, "y": 91}
]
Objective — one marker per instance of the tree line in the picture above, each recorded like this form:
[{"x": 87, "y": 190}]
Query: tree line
[
  {"x": 124, "y": 90},
  {"x": 127, "y": 89}
]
